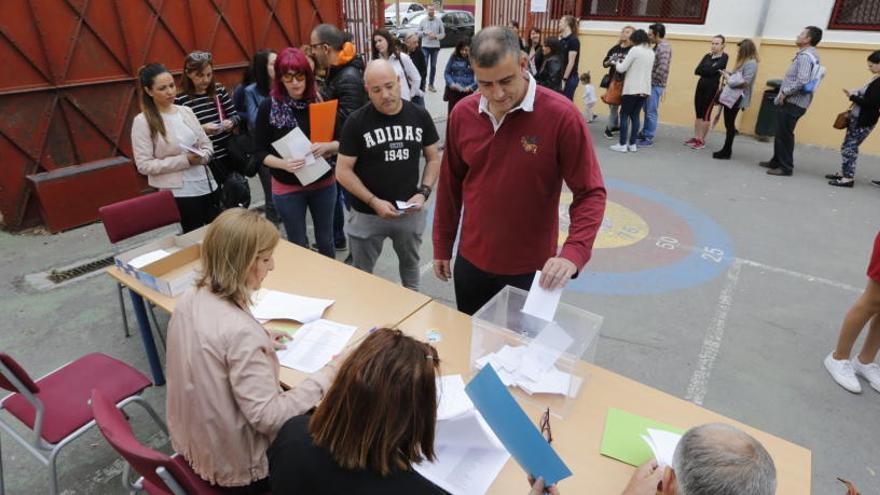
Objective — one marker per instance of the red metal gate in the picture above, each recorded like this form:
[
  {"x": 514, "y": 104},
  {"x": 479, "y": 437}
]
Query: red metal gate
[
  {"x": 501, "y": 12},
  {"x": 67, "y": 91}
]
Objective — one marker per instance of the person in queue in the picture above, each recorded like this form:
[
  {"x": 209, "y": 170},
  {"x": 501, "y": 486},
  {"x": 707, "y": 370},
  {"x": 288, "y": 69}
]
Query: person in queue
[
  {"x": 493, "y": 137},
  {"x": 636, "y": 68},
  {"x": 550, "y": 73},
  {"x": 459, "y": 75},
  {"x": 739, "y": 82},
  {"x": 171, "y": 148},
  {"x": 293, "y": 90},
  {"x": 862, "y": 120},
  {"x": 379, "y": 155},
  {"x": 615, "y": 55},
  {"x": 413, "y": 46},
  {"x": 431, "y": 31},
  {"x": 263, "y": 73},
  {"x": 385, "y": 47},
  {"x": 343, "y": 70},
  {"x": 711, "y": 459},
  {"x": 571, "y": 54},
  {"x": 535, "y": 51},
  {"x": 659, "y": 79},
  {"x": 212, "y": 105},
  {"x": 224, "y": 402},
  {"x": 710, "y": 69},
  {"x": 354, "y": 443}
]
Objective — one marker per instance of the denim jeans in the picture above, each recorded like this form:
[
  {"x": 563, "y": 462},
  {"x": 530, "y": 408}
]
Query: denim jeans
[
  {"x": 418, "y": 100},
  {"x": 431, "y": 58},
  {"x": 651, "y": 106},
  {"x": 321, "y": 203},
  {"x": 630, "y": 107},
  {"x": 570, "y": 85}
]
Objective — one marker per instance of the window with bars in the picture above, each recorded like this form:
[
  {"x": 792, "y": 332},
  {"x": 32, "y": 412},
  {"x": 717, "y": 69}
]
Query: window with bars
[
  {"x": 675, "y": 11},
  {"x": 856, "y": 14}
]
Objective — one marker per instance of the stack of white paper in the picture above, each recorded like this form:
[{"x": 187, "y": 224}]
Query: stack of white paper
[
  {"x": 469, "y": 455},
  {"x": 315, "y": 344},
  {"x": 147, "y": 258},
  {"x": 276, "y": 305},
  {"x": 296, "y": 146},
  {"x": 663, "y": 444}
]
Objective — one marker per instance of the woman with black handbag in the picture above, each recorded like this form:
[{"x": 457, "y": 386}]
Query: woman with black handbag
[
  {"x": 862, "y": 118},
  {"x": 215, "y": 110}
]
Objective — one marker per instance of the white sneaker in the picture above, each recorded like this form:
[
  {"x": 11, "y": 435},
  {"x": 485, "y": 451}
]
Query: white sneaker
[
  {"x": 842, "y": 372},
  {"x": 633, "y": 148},
  {"x": 619, "y": 147},
  {"x": 870, "y": 372}
]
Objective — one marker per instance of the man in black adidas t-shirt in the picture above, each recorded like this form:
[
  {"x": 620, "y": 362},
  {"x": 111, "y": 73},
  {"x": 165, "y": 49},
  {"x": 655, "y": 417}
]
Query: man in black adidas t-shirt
[{"x": 378, "y": 163}]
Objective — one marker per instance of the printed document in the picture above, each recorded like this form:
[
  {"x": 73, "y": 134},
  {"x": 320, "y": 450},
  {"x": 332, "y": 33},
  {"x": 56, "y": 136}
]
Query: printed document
[
  {"x": 315, "y": 344},
  {"x": 276, "y": 305}
]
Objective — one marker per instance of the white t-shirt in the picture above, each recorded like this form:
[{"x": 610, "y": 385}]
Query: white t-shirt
[
  {"x": 590, "y": 95},
  {"x": 195, "y": 178}
]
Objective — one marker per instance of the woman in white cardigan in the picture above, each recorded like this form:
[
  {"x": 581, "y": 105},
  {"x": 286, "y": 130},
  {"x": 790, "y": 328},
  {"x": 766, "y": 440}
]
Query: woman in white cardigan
[
  {"x": 172, "y": 150},
  {"x": 384, "y": 46},
  {"x": 636, "y": 67}
]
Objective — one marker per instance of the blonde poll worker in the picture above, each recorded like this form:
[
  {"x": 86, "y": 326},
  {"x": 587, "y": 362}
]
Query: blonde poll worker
[{"x": 224, "y": 403}]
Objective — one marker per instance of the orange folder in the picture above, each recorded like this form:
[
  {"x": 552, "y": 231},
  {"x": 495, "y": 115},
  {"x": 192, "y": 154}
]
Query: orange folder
[{"x": 322, "y": 121}]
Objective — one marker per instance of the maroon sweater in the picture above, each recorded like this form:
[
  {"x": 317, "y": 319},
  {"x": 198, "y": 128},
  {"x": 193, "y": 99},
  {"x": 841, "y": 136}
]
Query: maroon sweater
[{"x": 509, "y": 183}]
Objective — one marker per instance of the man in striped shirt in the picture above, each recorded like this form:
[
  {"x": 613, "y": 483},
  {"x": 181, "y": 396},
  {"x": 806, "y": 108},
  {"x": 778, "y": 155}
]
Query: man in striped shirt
[{"x": 793, "y": 101}]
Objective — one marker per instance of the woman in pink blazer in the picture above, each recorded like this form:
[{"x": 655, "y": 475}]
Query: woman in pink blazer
[{"x": 172, "y": 150}]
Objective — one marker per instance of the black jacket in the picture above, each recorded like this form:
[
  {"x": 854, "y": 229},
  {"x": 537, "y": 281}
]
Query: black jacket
[
  {"x": 869, "y": 104},
  {"x": 418, "y": 59},
  {"x": 346, "y": 84},
  {"x": 550, "y": 74},
  {"x": 708, "y": 71}
]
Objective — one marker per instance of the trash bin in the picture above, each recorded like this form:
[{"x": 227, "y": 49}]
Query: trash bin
[{"x": 765, "y": 128}]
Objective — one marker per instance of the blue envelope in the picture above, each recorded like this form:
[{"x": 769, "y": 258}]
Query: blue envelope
[{"x": 511, "y": 425}]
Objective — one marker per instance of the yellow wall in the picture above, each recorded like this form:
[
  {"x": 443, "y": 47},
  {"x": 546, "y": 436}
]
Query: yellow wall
[{"x": 846, "y": 64}]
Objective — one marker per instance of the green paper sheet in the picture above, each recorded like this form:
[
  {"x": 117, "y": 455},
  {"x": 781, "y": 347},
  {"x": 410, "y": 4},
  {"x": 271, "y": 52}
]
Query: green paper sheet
[{"x": 622, "y": 439}]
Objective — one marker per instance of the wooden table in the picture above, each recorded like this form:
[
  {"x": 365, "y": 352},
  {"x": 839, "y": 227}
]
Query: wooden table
[
  {"x": 361, "y": 299},
  {"x": 578, "y": 437}
]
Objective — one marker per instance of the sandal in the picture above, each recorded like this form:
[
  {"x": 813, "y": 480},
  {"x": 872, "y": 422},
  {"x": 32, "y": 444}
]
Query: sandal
[
  {"x": 842, "y": 182},
  {"x": 834, "y": 176}
]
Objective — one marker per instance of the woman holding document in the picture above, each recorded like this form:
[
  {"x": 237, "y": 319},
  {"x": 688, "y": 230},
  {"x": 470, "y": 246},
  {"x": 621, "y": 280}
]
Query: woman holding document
[
  {"x": 294, "y": 187},
  {"x": 224, "y": 403},
  {"x": 172, "y": 150}
]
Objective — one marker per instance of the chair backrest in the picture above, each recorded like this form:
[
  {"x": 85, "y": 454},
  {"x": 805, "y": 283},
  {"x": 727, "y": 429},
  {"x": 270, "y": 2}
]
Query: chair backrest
[
  {"x": 138, "y": 215},
  {"x": 144, "y": 460},
  {"x": 10, "y": 368}
]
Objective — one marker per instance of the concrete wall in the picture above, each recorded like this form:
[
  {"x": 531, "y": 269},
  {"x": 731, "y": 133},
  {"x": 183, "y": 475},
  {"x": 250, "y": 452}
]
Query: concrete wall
[{"x": 773, "y": 25}]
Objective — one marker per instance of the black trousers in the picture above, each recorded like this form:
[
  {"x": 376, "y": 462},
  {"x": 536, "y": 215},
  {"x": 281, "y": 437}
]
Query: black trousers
[
  {"x": 730, "y": 126},
  {"x": 474, "y": 287},
  {"x": 787, "y": 117},
  {"x": 197, "y": 211}
]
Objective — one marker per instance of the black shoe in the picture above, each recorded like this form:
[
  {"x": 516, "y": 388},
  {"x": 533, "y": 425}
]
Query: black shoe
[
  {"x": 842, "y": 182},
  {"x": 341, "y": 245},
  {"x": 875, "y": 182},
  {"x": 608, "y": 134},
  {"x": 779, "y": 172},
  {"x": 721, "y": 155},
  {"x": 615, "y": 129},
  {"x": 767, "y": 164},
  {"x": 348, "y": 260},
  {"x": 834, "y": 176}
]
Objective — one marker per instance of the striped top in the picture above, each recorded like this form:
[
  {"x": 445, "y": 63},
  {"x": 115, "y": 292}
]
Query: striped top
[
  {"x": 797, "y": 76},
  {"x": 206, "y": 109}
]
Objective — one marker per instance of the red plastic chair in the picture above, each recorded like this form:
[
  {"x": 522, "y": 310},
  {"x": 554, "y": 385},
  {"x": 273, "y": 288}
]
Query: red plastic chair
[
  {"x": 55, "y": 408},
  {"x": 133, "y": 217},
  {"x": 161, "y": 474}
]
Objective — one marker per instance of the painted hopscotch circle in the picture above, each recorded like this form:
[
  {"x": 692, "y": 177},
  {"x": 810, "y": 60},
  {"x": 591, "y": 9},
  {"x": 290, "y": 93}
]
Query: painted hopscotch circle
[{"x": 649, "y": 243}]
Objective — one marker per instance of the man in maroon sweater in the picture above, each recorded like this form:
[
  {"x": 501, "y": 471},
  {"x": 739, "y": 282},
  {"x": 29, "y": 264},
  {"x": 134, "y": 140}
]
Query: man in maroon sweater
[{"x": 508, "y": 150}]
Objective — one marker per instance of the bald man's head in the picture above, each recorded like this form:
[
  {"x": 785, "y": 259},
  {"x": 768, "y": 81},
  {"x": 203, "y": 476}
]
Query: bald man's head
[{"x": 383, "y": 87}]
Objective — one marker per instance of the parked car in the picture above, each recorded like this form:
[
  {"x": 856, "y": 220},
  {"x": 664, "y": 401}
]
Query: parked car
[
  {"x": 408, "y": 10},
  {"x": 456, "y": 23}
]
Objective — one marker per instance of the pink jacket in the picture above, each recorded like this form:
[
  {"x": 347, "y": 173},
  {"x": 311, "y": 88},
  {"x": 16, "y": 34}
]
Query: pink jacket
[
  {"x": 162, "y": 160},
  {"x": 224, "y": 402}
]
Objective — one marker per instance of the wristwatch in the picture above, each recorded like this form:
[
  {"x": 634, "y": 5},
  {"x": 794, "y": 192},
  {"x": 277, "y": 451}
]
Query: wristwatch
[{"x": 425, "y": 190}]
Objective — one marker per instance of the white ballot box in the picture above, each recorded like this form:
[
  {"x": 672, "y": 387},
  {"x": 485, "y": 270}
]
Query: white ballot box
[{"x": 538, "y": 360}]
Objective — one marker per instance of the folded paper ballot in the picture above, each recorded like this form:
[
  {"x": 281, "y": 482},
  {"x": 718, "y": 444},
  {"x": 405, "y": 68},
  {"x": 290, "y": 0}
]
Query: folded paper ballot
[
  {"x": 276, "y": 305},
  {"x": 469, "y": 455},
  {"x": 624, "y": 440},
  {"x": 403, "y": 205},
  {"x": 315, "y": 344},
  {"x": 516, "y": 367},
  {"x": 542, "y": 302}
]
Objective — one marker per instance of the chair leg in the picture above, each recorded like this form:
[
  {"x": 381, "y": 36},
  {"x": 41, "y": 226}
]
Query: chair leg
[
  {"x": 53, "y": 472},
  {"x": 119, "y": 288},
  {"x": 156, "y": 325},
  {"x": 2, "y": 489},
  {"x": 152, "y": 412}
]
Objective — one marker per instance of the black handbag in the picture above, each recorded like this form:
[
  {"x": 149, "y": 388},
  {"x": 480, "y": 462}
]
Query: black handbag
[
  {"x": 606, "y": 81},
  {"x": 236, "y": 192},
  {"x": 241, "y": 149}
]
